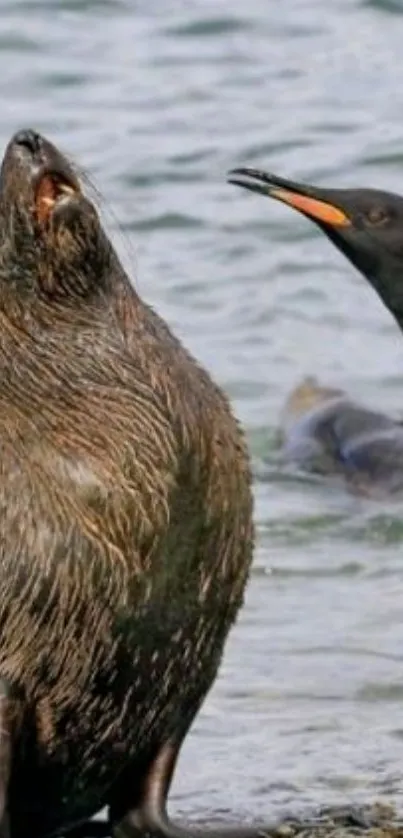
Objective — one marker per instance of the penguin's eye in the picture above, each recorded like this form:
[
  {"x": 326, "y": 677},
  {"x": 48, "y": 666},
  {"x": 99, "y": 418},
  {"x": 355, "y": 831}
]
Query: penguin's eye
[{"x": 376, "y": 216}]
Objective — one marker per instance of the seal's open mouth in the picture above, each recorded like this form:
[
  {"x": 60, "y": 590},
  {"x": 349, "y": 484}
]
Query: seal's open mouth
[{"x": 52, "y": 189}]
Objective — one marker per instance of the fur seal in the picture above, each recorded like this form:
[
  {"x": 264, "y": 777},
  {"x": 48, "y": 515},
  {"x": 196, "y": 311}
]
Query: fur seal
[{"x": 125, "y": 518}]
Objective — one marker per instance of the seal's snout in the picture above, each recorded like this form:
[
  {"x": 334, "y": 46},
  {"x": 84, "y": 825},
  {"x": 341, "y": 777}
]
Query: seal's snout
[
  {"x": 29, "y": 140},
  {"x": 31, "y": 148},
  {"x": 40, "y": 168}
]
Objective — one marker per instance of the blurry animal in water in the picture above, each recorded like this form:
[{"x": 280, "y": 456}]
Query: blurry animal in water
[{"x": 324, "y": 431}]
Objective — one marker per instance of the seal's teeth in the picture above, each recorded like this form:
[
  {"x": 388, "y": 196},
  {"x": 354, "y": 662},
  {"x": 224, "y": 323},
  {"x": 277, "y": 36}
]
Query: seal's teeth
[{"x": 68, "y": 190}]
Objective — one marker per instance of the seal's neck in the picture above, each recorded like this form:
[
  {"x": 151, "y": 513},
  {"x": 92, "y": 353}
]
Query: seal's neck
[{"x": 74, "y": 302}]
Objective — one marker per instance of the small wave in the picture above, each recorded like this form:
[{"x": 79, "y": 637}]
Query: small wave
[
  {"x": 213, "y": 27},
  {"x": 394, "y": 7}
]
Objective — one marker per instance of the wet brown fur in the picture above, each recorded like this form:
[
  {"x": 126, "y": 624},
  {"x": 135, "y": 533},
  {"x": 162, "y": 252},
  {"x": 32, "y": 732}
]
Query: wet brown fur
[{"x": 125, "y": 513}]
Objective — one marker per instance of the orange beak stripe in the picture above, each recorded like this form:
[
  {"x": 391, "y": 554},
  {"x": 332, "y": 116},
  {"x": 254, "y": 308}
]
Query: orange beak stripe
[{"x": 317, "y": 210}]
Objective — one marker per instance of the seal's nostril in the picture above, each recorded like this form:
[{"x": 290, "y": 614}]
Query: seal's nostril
[{"x": 29, "y": 140}]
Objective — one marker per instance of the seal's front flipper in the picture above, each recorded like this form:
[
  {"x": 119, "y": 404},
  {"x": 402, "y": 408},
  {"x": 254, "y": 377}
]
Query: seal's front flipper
[
  {"x": 139, "y": 805},
  {"x": 148, "y": 813}
]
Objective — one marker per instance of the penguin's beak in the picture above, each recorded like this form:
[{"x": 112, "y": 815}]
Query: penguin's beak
[{"x": 313, "y": 202}]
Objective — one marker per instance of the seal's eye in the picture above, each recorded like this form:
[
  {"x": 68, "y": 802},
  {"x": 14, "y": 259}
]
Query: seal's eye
[
  {"x": 51, "y": 189},
  {"x": 376, "y": 216}
]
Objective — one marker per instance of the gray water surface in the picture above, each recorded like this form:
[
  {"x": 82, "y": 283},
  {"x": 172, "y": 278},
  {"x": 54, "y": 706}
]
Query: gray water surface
[{"x": 156, "y": 101}]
